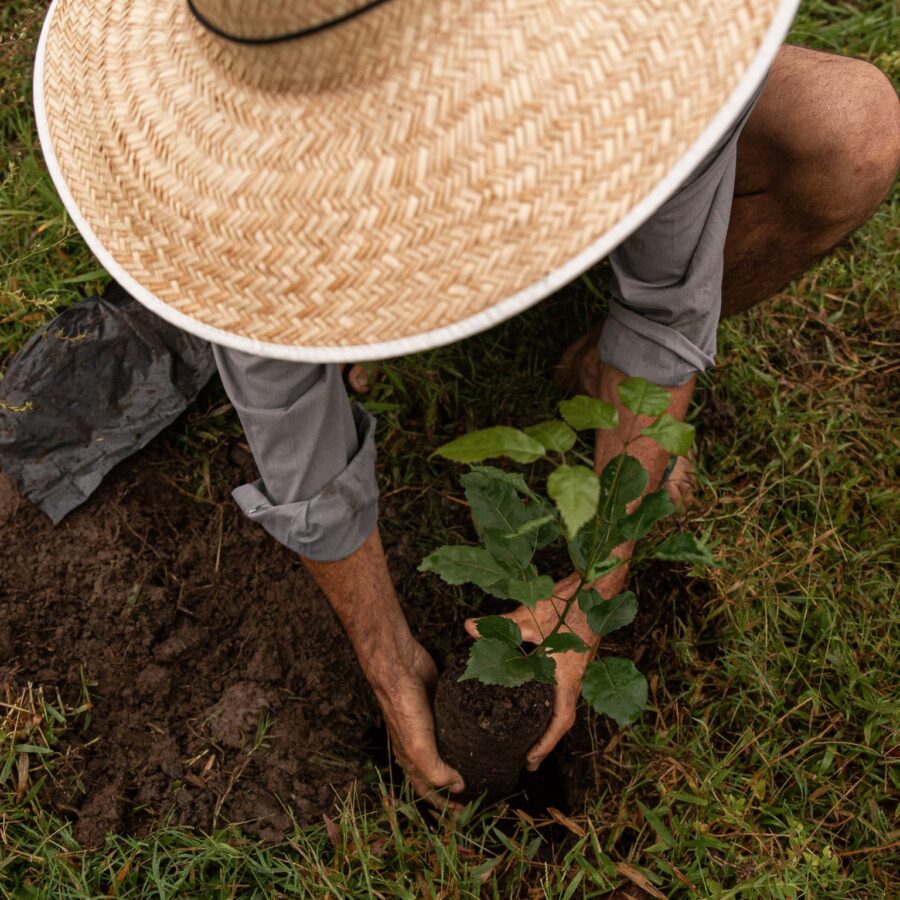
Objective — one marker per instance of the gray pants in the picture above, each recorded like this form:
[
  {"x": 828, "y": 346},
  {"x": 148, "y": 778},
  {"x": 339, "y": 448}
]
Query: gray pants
[{"x": 315, "y": 451}]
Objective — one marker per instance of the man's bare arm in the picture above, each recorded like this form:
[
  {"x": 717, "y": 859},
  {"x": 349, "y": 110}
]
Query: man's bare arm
[{"x": 399, "y": 669}]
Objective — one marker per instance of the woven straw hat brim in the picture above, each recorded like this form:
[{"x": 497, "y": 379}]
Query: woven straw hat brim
[{"x": 404, "y": 180}]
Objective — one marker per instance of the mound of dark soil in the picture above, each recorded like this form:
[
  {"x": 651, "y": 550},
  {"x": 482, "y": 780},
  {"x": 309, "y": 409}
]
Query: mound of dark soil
[
  {"x": 223, "y": 688},
  {"x": 222, "y": 685}
]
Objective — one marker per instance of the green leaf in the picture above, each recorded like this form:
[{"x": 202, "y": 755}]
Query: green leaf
[
  {"x": 563, "y": 641},
  {"x": 684, "y": 548},
  {"x": 494, "y": 661},
  {"x": 643, "y": 398},
  {"x": 510, "y": 551},
  {"x": 656, "y": 823},
  {"x": 494, "y": 503},
  {"x": 499, "y": 628},
  {"x": 514, "y": 479},
  {"x": 536, "y": 525},
  {"x": 490, "y": 442},
  {"x": 529, "y": 592},
  {"x": 464, "y": 565},
  {"x": 653, "y": 507},
  {"x": 587, "y": 412},
  {"x": 588, "y": 598},
  {"x": 543, "y": 668},
  {"x": 602, "y": 567},
  {"x": 582, "y": 545},
  {"x": 623, "y": 479},
  {"x": 674, "y": 436},
  {"x": 554, "y": 435},
  {"x": 575, "y": 490},
  {"x": 615, "y": 688},
  {"x": 608, "y": 615}
]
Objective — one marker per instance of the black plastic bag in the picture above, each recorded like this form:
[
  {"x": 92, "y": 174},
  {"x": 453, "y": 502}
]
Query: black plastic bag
[{"x": 89, "y": 389}]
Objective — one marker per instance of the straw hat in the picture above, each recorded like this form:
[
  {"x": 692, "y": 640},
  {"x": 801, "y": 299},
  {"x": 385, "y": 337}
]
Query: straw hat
[{"x": 347, "y": 179}]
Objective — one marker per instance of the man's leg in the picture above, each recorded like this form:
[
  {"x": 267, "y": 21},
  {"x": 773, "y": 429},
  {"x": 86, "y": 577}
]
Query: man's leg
[{"x": 816, "y": 158}]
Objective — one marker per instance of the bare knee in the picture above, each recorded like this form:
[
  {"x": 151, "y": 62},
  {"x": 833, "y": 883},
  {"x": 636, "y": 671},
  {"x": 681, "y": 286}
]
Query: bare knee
[
  {"x": 829, "y": 129},
  {"x": 845, "y": 164}
]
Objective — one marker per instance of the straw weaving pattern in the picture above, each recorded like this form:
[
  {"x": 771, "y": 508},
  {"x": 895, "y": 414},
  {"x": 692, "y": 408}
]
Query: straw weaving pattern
[{"x": 386, "y": 178}]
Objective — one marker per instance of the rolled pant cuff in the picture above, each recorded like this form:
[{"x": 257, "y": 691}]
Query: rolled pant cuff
[
  {"x": 639, "y": 346},
  {"x": 333, "y": 523}
]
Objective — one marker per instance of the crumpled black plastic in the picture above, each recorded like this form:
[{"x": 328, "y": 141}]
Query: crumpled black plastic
[{"x": 89, "y": 389}]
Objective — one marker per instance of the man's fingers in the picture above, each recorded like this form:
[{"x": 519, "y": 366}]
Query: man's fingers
[
  {"x": 440, "y": 775},
  {"x": 562, "y": 720},
  {"x": 428, "y": 780},
  {"x": 426, "y": 764},
  {"x": 438, "y": 801}
]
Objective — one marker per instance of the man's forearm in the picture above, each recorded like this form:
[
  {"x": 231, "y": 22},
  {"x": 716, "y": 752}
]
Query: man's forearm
[
  {"x": 398, "y": 668},
  {"x": 609, "y": 443},
  {"x": 360, "y": 591}
]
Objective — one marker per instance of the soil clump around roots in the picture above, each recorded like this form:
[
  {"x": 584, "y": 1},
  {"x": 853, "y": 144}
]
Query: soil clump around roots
[{"x": 486, "y": 730}]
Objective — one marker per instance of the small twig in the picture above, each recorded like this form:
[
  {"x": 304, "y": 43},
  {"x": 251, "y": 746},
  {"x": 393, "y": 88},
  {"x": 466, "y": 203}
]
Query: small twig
[{"x": 861, "y": 850}]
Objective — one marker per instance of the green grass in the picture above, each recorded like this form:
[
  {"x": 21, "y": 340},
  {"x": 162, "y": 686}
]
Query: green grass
[{"x": 768, "y": 766}]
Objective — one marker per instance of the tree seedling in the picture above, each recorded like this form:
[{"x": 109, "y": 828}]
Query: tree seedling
[{"x": 592, "y": 513}]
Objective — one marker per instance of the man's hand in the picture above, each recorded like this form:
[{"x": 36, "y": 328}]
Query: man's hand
[
  {"x": 404, "y": 695},
  {"x": 535, "y": 624},
  {"x": 401, "y": 672}
]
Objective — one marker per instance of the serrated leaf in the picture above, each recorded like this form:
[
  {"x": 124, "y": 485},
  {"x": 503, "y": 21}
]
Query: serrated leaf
[
  {"x": 674, "y": 436},
  {"x": 514, "y": 479},
  {"x": 510, "y": 551},
  {"x": 623, "y": 480},
  {"x": 587, "y": 412},
  {"x": 643, "y": 398},
  {"x": 543, "y": 668},
  {"x": 608, "y": 615},
  {"x": 563, "y": 642},
  {"x": 494, "y": 661},
  {"x": 588, "y": 598},
  {"x": 554, "y": 435},
  {"x": 465, "y": 565},
  {"x": 684, "y": 548},
  {"x": 615, "y": 688},
  {"x": 653, "y": 507},
  {"x": 492, "y": 442},
  {"x": 536, "y": 525},
  {"x": 493, "y": 503},
  {"x": 499, "y": 628},
  {"x": 575, "y": 490},
  {"x": 529, "y": 592},
  {"x": 582, "y": 545}
]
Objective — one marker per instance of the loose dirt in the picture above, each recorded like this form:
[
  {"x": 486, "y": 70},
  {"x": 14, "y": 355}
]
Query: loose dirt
[{"x": 222, "y": 686}]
